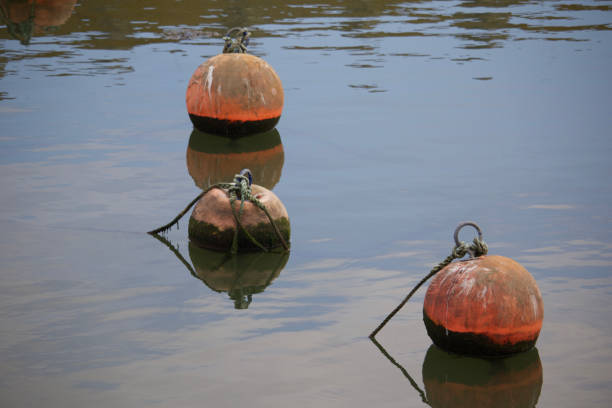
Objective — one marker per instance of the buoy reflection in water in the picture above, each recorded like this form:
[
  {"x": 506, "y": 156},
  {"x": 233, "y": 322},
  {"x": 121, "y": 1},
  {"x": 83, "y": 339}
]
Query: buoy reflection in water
[
  {"x": 241, "y": 275},
  {"x": 452, "y": 380},
  {"x": 26, "y": 17},
  {"x": 214, "y": 159}
]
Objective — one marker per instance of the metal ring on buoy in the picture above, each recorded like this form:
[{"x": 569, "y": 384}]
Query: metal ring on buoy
[{"x": 466, "y": 224}]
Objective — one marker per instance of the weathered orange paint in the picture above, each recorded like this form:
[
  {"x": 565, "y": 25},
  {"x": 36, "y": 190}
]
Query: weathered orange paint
[
  {"x": 491, "y": 298},
  {"x": 235, "y": 87}
]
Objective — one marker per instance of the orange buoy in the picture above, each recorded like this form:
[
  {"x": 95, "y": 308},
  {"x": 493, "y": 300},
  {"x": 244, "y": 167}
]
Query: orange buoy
[
  {"x": 212, "y": 158},
  {"x": 488, "y": 305},
  {"x": 461, "y": 381},
  {"x": 240, "y": 276},
  {"x": 216, "y": 223},
  {"x": 234, "y": 93}
]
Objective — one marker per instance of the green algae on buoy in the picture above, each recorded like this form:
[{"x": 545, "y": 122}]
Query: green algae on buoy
[{"x": 244, "y": 217}]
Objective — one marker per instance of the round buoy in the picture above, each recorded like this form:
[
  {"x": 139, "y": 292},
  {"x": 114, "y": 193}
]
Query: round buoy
[
  {"x": 489, "y": 305},
  {"x": 240, "y": 276},
  {"x": 212, "y": 158},
  {"x": 234, "y": 94},
  {"x": 452, "y": 380},
  {"x": 214, "y": 222}
]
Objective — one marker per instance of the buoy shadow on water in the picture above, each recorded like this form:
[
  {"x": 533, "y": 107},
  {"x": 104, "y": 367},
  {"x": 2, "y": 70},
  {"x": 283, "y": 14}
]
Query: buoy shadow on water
[
  {"x": 23, "y": 18},
  {"x": 454, "y": 380},
  {"x": 240, "y": 275},
  {"x": 213, "y": 159}
]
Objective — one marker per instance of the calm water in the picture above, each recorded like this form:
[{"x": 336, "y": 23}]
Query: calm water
[{"x": 401, "y": 119}]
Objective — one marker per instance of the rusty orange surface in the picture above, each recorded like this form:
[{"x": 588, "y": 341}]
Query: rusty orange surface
[
  {"x": 490, "y": 295},
  {"x": 235, "y": 87}
]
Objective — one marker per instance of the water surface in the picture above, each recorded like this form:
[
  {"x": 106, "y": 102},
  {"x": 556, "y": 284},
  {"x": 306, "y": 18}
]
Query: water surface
[{"x": 401, "y": 119}]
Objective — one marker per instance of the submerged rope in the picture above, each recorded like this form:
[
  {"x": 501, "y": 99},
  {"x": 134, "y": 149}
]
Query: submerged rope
[
  {"x": 240, "y": 189},
  {"x": 402, "y": 369},
  {"x": 477, "y": 248}
]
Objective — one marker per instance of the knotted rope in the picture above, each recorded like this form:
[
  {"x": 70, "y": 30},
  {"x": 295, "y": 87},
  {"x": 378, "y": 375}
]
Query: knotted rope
[
  {"x": 236, "y": 45},
  {"x": 240, "y": 189},
  {"x": 477, "y": 248}
]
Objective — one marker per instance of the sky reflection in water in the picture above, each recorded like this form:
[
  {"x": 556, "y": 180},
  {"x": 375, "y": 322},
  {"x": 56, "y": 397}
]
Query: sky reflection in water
[{"x": 400, "y": 120}]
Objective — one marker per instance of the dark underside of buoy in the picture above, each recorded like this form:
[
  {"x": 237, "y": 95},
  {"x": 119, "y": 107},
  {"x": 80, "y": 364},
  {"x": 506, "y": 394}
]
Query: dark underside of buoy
[
  {"x": 471, "y": 343},
  {"x": 206, "y": 235},
  {"x": 230, "y": 127}
]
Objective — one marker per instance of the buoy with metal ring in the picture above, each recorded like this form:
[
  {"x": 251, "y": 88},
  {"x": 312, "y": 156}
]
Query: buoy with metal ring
[
  {"x": 488, "y": 305},
  {"x": 235, "y": 93}
]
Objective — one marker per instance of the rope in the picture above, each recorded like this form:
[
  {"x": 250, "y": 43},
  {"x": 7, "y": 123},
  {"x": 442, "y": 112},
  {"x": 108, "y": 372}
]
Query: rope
[
  {"x": 180, "y": 215},
  {"x": 240, "y": 189},
  {"x": 477, "y": 248},
  {"x": 402, "y": 369},
  {"x": 236, "y": 45}
]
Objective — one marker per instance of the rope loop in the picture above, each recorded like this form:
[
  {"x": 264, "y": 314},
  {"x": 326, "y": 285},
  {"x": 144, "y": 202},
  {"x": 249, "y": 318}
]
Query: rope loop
[
  {"x": 476, "y": 249},
  {"x": 236, "y": 45}
]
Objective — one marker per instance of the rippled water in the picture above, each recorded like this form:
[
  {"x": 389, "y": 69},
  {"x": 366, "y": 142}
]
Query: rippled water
[{"x": 401, "y": 119}]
